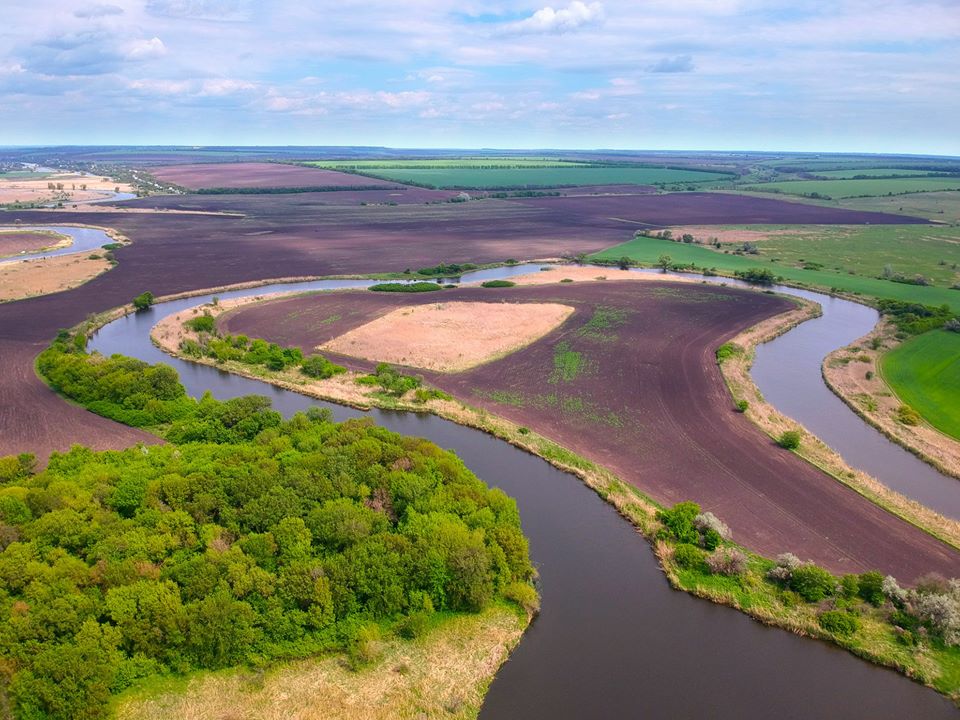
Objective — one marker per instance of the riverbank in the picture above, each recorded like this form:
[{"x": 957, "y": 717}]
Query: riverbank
[
  {"x": 761, "y": 600},
  {"x": 854, "y": 373},
  {"x": 445, "y": 673}
]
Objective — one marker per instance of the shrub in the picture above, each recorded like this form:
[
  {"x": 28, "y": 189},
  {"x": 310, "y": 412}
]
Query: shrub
[
  {"x": 907, "y": 415},
  {"x": 812, "y": 582},
  {"x": 893, "y": 592},
  {"x": 783, "y": 570},
  {"x": 143, "y": 301},
  {"x": 850, "y": 586},
  {"x": 742, "y": 406},
  {"x": 624, "y": 263},
  {"x": 756, "y": 276},
  {"x": 789, "y": 439},
  {"x": 871, "y": 587},
  {"x": 317, "y": 366},
  {"x": 414, "y": 625},
  {"x": 953, "y": 325},
  {"x": 524, "y": 595},
  {"x": 707, "y": 521},
  {"x": 726, "y": 351},
  {"x": 689, "y": 557},
  {"x": 838, "y": 622},
  {"x": 678, "y": 522},
  {"x": 497, "y": 284},
  {"x": 727, "y": 561},
  {"x": 201, "y": 323},
  {"x": 416, "y": 287}
]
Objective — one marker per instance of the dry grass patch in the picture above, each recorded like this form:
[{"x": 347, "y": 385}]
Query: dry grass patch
[
  {"x": 27, "y": 278},
  {"x": 444, "y": 674},
  {"x": 452, "y": 336}
]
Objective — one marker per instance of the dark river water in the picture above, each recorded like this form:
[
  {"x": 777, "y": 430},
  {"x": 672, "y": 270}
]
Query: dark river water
[{"x": 612, "y": 639}]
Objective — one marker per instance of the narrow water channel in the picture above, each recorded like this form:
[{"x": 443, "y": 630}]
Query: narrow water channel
[{"x": 613, "y": 639}]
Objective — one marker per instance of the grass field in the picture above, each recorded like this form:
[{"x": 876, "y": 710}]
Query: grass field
[
  {"x": 855, "y": 188},
  {"x": 925, "y": 373},
  {"x": 872, "y": 172},
  {"x": 931, "y": 251},
  {"x": 646, "y": 250},
  {"x": 938, "y": 206},
  {"x": 533, "y": 176}
]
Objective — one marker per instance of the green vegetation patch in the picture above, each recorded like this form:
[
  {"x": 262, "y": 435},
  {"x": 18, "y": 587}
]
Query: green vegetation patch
[
  {"x": 497, "y": 284},
  {"x": 416, "y": 287},
  {"x": 569, "y": 174},
  {"x": 567, "y": 363},
  {"x": 602, "y": 324},
  {"x": 925, "y": 373},
  {"x": 649, "y": 251},
  {"x": 858, "y": 188},
  {"x": 864, "y": 173}
]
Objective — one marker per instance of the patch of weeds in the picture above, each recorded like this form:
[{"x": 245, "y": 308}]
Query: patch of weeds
[
  {"x": 504, "y": 397},
  {"x": 866, "y": 402},
  {"x": 604, "y": 320},
  {"x": 567, "y": 363}
]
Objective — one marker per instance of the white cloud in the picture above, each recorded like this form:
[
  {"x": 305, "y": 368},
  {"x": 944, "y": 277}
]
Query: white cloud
[
  {"x": 145, "y": 49},
  {"x": 549, "y": 21},
  {"x": 678, "y": 64},
  {"x": 97, "y": 11}
]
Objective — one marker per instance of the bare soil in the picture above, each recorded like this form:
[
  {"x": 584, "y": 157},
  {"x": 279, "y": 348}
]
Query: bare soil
[
  {"x": 449, "y": 336},
  {"x": 15, "y": 242},
  {"x": 36, "y": 191},
  {"x": 646, "y": 400},
  {"x": 260, "y": 175}
]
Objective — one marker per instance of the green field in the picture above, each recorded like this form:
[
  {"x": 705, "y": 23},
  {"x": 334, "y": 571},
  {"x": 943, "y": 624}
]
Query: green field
[
  {"x": 925, "y": 373},
  {"x": 873, "y": 172},
  {"x": 931, "y": 251},
  {"x": 856, "y": 188},
  {"x": 519, "y": 177},
  {"x": 646, "y": 251}
]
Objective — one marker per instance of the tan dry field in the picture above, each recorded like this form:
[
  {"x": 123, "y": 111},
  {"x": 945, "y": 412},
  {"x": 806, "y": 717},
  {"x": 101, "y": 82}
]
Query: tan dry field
[
  {"x": 27, "y": 278},
  {"x": 450, "y": 336},
  {"x": 441, "y": 675},
  {"x": 36, "y": 191},
  {"x": 727, "y": 235}
]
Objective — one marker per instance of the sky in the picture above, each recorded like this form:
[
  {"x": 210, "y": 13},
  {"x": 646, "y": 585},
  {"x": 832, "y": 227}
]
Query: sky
[{"x": 808, "y": 75}]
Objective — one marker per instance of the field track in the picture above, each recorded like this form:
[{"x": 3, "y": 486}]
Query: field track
[{"x": 648, "y": 402}]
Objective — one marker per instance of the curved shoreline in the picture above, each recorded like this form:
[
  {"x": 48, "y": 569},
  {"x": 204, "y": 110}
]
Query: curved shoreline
[{"x": 939, "y": 451}]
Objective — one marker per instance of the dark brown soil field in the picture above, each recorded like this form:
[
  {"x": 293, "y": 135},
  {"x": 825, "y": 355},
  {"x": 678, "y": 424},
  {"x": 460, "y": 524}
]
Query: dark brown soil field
[
  {"x": 260, "y": 175},
  {"x": 630, "y": 381},
  {"x": 711, "y": 209},
  {"x": 245, "y": 203},
  {"x": 284, "y": 236},
  {"x": 13, "y": 243}
]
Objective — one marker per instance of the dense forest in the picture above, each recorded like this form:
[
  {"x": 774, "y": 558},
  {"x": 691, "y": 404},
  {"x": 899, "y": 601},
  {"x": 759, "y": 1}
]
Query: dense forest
[{"x": 246, "y": 539}]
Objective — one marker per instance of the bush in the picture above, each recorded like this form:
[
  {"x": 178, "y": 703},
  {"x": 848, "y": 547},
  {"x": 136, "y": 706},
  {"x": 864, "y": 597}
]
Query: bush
[
  {"x": 201, "y": 323},
  {"x": 707, "y": 521},
  {"x": 838, "y": 622},
  {"x": 414, "y": 625},
  {"x": 678, "y": 522},
  {"x": 756, "y": 276},
  {"x": 416, "y": 287},
  {"x": 689, "y": 557},
  {"x": 870, "y": 588},
  {"x": 524, "y": 595},
  {"x": 789, "y": 439},
  {"x": 624, "y": 263},
  {"x": 317, "y": 366},
  {"x": 727, "y": 561},
  {"x": 907, "y": 415},
  {"x": 953, "y": 325},
  {"x": 786, "y": 563},
  {"x": 727, "y": 351},
  {"x": 742, "y": 406},
  {"x": 812, "y": 582},
  {"x": 497, "y": 284},
  {"x": 850, "y": 586},
  {"x": 143, "y": 301}
]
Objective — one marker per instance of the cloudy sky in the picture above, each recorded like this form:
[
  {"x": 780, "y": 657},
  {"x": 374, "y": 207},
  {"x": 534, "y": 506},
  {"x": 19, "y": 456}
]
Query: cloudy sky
[{"x": 833, "y": 75}]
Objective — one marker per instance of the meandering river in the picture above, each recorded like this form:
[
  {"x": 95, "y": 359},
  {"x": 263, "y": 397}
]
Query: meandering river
[{"x": 613, "y": 639}]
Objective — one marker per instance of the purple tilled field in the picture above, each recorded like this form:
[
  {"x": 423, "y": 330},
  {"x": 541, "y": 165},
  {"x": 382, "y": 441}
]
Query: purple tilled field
[
  {"x": 630, "y": 381},
  {"x": 260, "y": 175}
]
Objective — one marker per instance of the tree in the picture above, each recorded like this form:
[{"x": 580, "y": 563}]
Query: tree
[
  {"x": 664, "y": 262},
  {"x": 143, "y": 301},
  {"x": 624, "y": 263},
  {"x": 789, "y": 439}
]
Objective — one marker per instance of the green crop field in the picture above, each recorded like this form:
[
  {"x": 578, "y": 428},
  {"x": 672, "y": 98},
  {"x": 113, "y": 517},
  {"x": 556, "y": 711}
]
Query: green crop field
[
  {"x": 931, "y": 251},
  {"x": 856, "y": 188},
  {"x": 646, "y": 250},
  {"x": 873, "y": 172},
  {"x": 925, "y": 373},
  {"x": 519, "y": 177}
]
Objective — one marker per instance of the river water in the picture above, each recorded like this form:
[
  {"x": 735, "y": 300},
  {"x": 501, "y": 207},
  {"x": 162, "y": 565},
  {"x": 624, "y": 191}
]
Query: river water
[{"x": 613, "y": 639}]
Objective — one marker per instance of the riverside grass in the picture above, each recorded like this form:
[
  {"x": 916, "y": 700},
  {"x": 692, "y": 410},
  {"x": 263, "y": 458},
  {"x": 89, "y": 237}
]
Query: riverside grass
[
  {"x": 924, "y": 372},
  {"x": 443, "y": 674}
]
